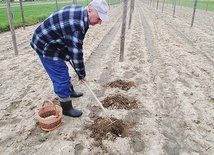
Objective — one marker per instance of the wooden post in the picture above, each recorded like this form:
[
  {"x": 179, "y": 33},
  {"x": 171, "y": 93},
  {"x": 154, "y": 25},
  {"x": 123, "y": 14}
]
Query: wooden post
[
  {"x": 193, "y": 16},
  {"x": 207, "y": 5},
  {"x": 131, "y": 12},
  {"x": 163, "y": 5},
  {"x": 12, "y": 30},
  {"x": 123, "y": 31},
  {"x": 74, "y": 1},
  {"x": 174, "y": 8},
  {"x": 22, "y": 13},
  {"x": 157, "y": 4},
  {"x": 57, "y": 7}
]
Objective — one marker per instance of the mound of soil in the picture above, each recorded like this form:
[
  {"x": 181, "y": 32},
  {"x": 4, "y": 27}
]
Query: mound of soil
[
  {"x": 124, "y": 85},
  {"x": 119, "y": 102},
  {"x": 102, "y": 128}
]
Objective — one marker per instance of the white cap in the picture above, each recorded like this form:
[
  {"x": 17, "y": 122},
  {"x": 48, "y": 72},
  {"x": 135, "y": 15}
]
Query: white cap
[{"x": 102, "y": 8}]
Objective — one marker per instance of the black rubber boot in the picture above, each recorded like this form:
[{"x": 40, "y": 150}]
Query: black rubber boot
[
  {"x": 68, "y": 110},
  {"x": 74, "y": 93}
]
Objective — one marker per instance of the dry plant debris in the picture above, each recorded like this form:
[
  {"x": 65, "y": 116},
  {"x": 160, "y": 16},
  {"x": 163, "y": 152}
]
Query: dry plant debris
[
  {"x": 124, "y": 85},
  {"x": 119, "y": 102},
  {"x": 104, "y": 129}
]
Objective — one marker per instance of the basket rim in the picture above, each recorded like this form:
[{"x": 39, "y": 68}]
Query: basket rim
[
  {"x": 44, "y": 122},
  {"x": 57, "y": 108}
]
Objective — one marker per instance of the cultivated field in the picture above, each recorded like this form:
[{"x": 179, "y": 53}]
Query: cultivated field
[{"x": 170, "y": 64}]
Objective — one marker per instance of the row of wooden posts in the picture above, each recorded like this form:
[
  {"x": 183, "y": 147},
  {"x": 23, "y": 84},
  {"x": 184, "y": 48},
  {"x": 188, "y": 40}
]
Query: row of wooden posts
[
  {"x": 132, "y": 2},
  {"x": 123, "y": 28},
  {"x": 174, "y": 6},
  {"x": 12, "y": 29}
]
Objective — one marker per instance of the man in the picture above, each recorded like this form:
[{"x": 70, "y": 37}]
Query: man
[{"x": 59, "y": 38}]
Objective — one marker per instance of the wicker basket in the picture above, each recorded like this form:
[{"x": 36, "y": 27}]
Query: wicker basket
[{"x": 49, "y": 116}]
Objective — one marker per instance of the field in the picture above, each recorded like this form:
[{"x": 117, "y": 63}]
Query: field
[
  {"x": 162, "y": 93},
  {"x": 37, "y": 11}
]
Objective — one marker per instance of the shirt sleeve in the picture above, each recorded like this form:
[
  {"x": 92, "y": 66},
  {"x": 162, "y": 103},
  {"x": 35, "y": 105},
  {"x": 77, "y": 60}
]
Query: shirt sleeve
[{"x": 74, "y": 42}]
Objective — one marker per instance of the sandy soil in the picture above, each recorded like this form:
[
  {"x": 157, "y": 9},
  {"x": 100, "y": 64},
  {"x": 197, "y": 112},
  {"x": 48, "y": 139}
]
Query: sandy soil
[{"x": 170, "y": 63}]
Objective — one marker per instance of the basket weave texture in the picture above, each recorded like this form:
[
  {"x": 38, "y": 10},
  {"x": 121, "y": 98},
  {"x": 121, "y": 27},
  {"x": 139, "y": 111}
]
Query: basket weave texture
[{"x": 49, "y": 116}]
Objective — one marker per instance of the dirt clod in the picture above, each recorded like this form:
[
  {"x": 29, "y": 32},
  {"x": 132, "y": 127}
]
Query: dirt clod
[
  {"x": 124, "y": 85},
  {"x": 118, "y": 102},
  {"x": 103, "y": 128}
]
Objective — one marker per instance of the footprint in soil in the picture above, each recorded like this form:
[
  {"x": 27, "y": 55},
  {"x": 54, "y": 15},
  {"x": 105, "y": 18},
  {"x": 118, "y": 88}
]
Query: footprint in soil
[
  {"x": 78, "y": 149},
  {"x": 137, "y": 143},
  {"x": 94, "y": 112},
  {"x": 129, "y": 74}
]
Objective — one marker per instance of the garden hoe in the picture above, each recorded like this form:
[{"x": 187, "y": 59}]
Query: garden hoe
[{"x": 100, "y": 104}]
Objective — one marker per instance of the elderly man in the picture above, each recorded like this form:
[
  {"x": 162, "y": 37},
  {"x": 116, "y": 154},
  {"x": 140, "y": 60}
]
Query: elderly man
[{"x": 59, "y": 38}]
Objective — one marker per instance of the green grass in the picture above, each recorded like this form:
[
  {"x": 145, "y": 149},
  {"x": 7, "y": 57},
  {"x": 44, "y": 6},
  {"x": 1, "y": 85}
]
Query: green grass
[
  {"x": 32, "y": 13},
  {"x": 201, "y": 4}
]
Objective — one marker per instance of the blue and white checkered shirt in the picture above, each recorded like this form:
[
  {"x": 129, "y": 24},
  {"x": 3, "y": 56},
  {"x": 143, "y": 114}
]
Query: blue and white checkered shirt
[{"x": 60, "y": 36}]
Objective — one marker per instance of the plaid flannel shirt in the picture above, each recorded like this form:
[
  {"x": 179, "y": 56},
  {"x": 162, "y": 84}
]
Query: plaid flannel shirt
[{"x": 60, "y": 36}]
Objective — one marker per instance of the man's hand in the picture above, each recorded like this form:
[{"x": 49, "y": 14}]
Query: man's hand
[{"x": 82, "y": 80}]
